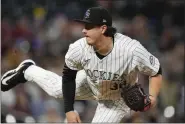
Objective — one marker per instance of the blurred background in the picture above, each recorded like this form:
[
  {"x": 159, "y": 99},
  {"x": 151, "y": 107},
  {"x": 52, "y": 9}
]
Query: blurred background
[{"x": 43, "y": 29}]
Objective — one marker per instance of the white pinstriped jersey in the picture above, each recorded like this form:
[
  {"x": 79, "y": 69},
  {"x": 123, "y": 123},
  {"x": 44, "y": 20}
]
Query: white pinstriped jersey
[{"x": 120, "y": 66}]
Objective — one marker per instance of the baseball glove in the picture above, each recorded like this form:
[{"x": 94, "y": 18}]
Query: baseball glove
[{"x": 135, "y": 98}]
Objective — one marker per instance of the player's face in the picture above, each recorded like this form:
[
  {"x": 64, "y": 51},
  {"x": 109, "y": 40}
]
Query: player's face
[{"x": 92, "y": 33}]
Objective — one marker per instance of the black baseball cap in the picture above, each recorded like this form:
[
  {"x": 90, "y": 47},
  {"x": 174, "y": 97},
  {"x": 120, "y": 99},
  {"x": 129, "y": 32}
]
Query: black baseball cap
[{"x": 97, "y": 16}]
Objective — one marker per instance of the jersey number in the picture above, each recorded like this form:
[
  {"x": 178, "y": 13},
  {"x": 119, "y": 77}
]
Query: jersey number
[{"x": 114, "y": 86}]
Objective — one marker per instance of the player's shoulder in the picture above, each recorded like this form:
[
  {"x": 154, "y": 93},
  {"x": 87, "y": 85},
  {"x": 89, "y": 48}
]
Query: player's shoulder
[
  {"x": 80, "y": 46},
  {"x": 79, "y": 43},
  {"x": 125, "y": 41},
  {"x": 121, "y": 37}
]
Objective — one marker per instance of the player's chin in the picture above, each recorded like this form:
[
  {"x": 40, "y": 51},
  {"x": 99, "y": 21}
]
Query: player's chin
[{"x": 89, "y": 41}]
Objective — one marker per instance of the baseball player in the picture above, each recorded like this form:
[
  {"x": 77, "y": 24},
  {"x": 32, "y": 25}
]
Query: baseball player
[{"x": 109, "y": 64}]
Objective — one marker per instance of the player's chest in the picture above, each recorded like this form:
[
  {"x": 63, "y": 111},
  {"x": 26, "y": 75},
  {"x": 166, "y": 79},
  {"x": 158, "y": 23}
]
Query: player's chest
[{"x": 111, "y": 67}]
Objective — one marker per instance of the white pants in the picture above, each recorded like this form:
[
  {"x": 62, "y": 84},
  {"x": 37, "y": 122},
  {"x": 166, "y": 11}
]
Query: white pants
[{"x": 51, "y": 83}]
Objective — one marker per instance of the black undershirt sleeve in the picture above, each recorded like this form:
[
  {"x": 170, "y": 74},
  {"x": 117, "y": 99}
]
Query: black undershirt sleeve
[{"x": 68, "y": 88}]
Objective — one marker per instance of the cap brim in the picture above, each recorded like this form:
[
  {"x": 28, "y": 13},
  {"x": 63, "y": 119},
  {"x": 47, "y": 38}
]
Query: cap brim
[{"x": 83, "y": 21}]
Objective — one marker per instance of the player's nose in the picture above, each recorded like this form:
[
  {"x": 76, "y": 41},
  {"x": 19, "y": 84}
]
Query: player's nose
[{"x": 84, "y": 31}]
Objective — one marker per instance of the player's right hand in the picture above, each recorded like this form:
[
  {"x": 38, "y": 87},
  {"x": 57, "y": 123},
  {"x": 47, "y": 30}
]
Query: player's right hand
[{"x": 73, "y": 117}]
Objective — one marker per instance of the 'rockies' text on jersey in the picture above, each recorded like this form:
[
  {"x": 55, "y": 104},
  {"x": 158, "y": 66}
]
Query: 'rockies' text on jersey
[{"x": 120, "y": 66}]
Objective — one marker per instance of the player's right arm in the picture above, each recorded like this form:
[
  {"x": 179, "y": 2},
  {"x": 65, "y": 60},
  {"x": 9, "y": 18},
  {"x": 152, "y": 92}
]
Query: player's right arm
[
  {"x": 68, "y": 88},
  {"x": 72, "y": 64}
]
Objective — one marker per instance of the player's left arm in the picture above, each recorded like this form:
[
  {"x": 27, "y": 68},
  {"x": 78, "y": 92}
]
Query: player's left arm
[
  {"x": 154, "y": 88},
  {"x": 148, "y": 64},
  {"x": 155, "y": 83}
]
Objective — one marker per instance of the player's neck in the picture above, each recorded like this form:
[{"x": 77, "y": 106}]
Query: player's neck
[{"x": 104, "y": 45}]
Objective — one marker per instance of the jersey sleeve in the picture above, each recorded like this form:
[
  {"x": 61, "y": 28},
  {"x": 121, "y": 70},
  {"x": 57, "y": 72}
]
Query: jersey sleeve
[
  {"x": 74, "y": 56},
  {"x": 144, "y": 61}
]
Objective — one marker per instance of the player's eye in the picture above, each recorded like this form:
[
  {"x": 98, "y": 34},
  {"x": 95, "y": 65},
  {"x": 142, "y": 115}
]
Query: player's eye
[{"x": 89, "y": 26}]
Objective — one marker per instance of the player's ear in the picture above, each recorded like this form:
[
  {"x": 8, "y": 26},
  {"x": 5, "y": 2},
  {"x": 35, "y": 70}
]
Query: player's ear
[{"x": 103, "y": 28}]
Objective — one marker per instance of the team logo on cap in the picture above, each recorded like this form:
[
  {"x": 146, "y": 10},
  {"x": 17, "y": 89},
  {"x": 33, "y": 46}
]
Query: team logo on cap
[
  {"x": 87, "y": 14},
  {"x": 104, "y": 20}
]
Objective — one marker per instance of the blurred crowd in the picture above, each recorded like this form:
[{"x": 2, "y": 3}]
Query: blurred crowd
[{"x": 42, "y": 30}]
